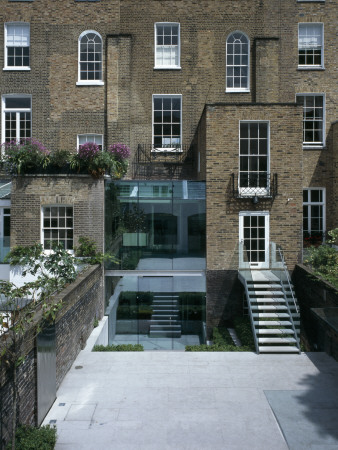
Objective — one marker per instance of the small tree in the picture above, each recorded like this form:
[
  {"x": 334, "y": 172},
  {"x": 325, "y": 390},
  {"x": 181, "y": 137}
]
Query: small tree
[{"x": 25, "y": 308}]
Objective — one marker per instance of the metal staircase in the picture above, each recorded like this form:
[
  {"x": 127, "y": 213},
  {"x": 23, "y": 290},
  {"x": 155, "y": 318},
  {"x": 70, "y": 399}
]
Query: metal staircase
[
  {"x": 273, "y": 312},
  {"x": 165, "y": 318}
]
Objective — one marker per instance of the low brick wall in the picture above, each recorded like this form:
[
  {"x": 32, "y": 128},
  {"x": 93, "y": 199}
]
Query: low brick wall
[
  {"x": 83, "y": 300},
  {"x": 315, "y": 293}
]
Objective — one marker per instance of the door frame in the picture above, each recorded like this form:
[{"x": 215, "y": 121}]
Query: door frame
[{"x": 254, "y": 265}]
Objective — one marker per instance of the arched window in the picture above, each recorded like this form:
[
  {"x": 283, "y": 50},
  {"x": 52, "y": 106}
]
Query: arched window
[
  {"x": 237, "y": 70},
  {"x": 90, "y": 58}
]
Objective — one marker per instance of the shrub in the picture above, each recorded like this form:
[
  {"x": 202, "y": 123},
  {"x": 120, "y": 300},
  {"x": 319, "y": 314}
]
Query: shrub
[
  {"x": 118, "y": 348},
  {"x": 25, "y": 156},
  {"x": 32, "y": 438},
  {"x": 324, "y": 262},
  {"x": 243, "y": 329}
]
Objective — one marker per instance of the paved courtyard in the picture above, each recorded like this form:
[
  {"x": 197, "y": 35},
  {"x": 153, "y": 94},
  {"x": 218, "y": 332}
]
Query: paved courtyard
[{"x": 175, "y": 400}]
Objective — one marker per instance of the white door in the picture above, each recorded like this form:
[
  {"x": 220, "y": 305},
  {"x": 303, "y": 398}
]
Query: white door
[{"x": 254, "y": 240}]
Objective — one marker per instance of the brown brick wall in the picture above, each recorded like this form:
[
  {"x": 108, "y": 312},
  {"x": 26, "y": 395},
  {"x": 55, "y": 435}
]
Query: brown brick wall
[
  {"x": 83, "y": 301},
  {"x": 30, "y": 193},
  {"x": 222, "y": 156}
]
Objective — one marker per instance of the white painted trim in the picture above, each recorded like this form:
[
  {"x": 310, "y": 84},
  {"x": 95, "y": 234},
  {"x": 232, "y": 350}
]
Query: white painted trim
[
  {"x": 6, "y": 67},
  {"x": 4, "y": 110},
  {"x": 232, "y": 90},
  {"x": 313, "y": 94},
  {"x": 159, "y": 149},
  {"x": 89, "y": 82},
  {"x": 174, "y": 67},
  {"x": 258, "y": 265},
  {"x": 312, "y": 66}
]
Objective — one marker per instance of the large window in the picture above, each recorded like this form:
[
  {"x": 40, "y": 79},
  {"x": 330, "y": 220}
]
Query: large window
[
  {"x": 313, "y": 119},
  {"x": 17, "y": 41},
  {"x": 57, "y": 226},
  {"x": 310, "y": 45},
  {"x": 90, "y": 58},
  {"x": 167, "y": 45},
  {"x": 313, "y": 215},
  {"x": 96, "y": 138},
  {"x": 237, "y": 72},
  {"x": 16, "y": 117},
  {"x": 254, "y": 158},
  {"x": 167, "y": 122}
]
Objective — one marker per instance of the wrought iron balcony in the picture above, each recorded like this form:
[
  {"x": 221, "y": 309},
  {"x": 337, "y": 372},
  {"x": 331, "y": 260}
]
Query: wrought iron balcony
[
  {"x": 149, "y": 160},
  {"x": 254, "y": 185}
]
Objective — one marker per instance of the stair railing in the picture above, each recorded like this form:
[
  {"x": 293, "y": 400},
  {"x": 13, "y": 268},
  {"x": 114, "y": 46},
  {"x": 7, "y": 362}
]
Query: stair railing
[
  {"x": 281, "y": 267},
  {"x": 244, "y": 274}
]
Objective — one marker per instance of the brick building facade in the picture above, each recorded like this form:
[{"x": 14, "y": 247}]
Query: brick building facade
[{"x": 252, "y": 103}]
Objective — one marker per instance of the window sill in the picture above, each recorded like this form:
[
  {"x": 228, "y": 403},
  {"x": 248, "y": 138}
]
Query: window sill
[
  {"x": 166, "y": 150},
  {"x": 90, "y": 83},
  {"x": 310, "y": 68},
  {"x": 237, "y": 91},
  {"x": 168, "y": 68},
  {"x": 17, "y": 69},
  {"x": 313, "y": 147}
]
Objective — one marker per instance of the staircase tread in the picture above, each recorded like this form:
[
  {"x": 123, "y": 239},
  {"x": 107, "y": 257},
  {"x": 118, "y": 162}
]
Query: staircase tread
[
  {"x": 264, "y": 292},
  {"x": 267, "y": 300},
  {"x": 276, "y": 340},
  {"x": 269, "y": 307},
  {"x": 278, "y": 349},
  {"x": 275, "y": 331}
]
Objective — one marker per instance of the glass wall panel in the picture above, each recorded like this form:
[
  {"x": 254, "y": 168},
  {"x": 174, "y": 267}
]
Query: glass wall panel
[
  {"x": 158, "y": 312},
  {"x": 155, "y": 225}
]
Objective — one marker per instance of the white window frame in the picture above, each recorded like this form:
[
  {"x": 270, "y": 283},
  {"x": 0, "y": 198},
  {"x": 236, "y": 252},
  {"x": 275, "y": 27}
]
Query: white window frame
[
  {"x": 308, "y": 144},
  {"x": 310, "y": 203},
  {"x": 312, "y": 66},
  {"x": 56, "y": 228},
  {"x": 254, "y": 191},
  {"x": 229, "y": 66},
  {"x": 80, "y": 82},
  {"x": 6, "y": 66},
  {"x": 167, "y": 148},
  {"x": 90, "y": 137},
  {"x": 17, "y": 111},
  {"x": 259, "y": 264},
  {"x": 157, "y": 47}
]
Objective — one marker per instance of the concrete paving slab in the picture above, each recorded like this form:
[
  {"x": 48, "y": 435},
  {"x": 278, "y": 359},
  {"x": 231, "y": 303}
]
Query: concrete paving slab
[{"x": 175, "y": 400}]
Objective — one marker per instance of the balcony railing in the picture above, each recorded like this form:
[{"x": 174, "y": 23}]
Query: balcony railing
[
  {"x": 149, "y": 158},
  {"x": 254, "y": 185}
]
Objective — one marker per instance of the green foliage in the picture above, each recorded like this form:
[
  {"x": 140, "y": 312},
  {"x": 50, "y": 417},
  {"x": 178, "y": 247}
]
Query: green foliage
[
  {"x": 96, "y": 322},
  {"x": 59, "y": 159},
  {"x": 243, "y": 329},
  {"x": 25, "y": 156},
  {"x": 324, "y": 261},
  {"x": 102, "y": 163},
  {"x": 222, "y": 341},
  {"x": 87, "y": 251},
  {"x": 118, "y": 348},
  {"x": 32, "y": 438},
  {"x": 216, "y": 348},
  {"x": 333, "y": 236}
]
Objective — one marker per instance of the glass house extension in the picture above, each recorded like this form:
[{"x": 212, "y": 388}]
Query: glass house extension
[{"x": 156, "y": 289}]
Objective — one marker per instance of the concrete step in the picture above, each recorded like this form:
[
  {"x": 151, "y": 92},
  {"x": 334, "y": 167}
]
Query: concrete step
[
  {"x": 275, "y": 331},
  {"x": 263, "y": 286},
  {"x": 165, "y": 327},
  {"x": 267, "y": 293},
  {"x": 278, "y": 349},
  {"x": 162, "y": 322},
  {"x": 267, "y": 300},
  {"x": 269, "y": 308},
  {"x": 166, "y": 311},
  {"x": 277, "y": 340},
  {"x": 271, "y": 315},
  {"x": 165, "y": 334},
  {"x": 272, "y": 323},
  {"x": 164, "y": 317}
]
